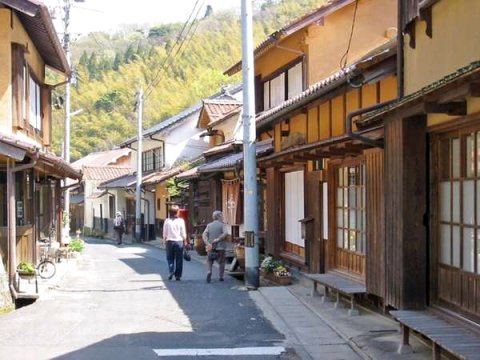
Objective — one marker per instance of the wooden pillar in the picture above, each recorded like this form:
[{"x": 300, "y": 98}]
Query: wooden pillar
[
  {"x": 405, "y": 207},
  {"x": 313, "y": 201},
  {"x": 273, "y": 236}
]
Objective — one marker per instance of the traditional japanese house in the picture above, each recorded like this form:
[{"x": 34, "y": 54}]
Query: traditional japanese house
[
  {"x": 432, "y": 168},
  {"x": 311, "y": 75},
  {"x": 91, "y": 208},
  {"x": 30, "y": 176}
]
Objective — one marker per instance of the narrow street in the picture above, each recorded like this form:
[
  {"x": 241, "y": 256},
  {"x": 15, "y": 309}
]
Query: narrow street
[{"x": 119, "y": 304}]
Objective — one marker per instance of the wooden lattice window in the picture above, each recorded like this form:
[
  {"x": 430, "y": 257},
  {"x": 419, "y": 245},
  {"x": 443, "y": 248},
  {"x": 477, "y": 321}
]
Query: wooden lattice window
[
  {"x": 350, "y": 208},
  {"x": 459, "y": 200}
]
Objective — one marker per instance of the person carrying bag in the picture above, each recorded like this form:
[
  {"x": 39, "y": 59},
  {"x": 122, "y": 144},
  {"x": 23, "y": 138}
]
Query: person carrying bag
[{"x": 215, "y": 236}]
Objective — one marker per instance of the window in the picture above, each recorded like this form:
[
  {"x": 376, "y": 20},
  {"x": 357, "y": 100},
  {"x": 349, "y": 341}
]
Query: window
[
  {"x": 152, "y": 159},
  {"x": 350, "y": 208},
  {"x": 34, "y": 96},
  {"x": 284, "y": 85},
  {"x": 459, "y": 200}
]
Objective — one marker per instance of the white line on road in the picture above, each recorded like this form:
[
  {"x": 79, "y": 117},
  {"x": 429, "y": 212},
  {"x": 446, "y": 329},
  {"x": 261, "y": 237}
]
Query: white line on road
[{"x": 273, "y": 350}]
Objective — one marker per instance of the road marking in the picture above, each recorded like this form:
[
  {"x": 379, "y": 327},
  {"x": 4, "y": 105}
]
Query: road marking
[{"x": 272, "y": 350}]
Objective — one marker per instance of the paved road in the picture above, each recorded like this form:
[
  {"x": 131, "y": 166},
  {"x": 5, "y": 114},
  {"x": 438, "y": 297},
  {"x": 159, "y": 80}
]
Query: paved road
[{"x": 120, "y": 305}]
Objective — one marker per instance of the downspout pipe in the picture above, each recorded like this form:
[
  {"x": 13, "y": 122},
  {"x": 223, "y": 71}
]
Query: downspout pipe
[
  {"x": 349, "y": 124},
  {"x": 12, "y": 230}
]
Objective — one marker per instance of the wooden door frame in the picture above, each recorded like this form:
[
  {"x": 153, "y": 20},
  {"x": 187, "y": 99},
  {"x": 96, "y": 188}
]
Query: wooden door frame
[{"x": 331, "y": 262}]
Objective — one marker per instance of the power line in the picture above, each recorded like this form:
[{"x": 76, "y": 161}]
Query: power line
[
  {"x": 168, "y": 61},
  {"x": 148, "y": 89},
  {"x": 344, "y": 58}
]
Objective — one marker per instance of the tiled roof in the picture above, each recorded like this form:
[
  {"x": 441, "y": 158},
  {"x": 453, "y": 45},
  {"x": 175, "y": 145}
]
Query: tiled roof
[
  {"x": 232, "y": 160},
  {"x": 296, "y": 25},
  {"x": 101, "y": 158},
  {"x": 424, "y": 94},
  {"x": 166, "y": 123},
  {"x": 104, "y": 172},
  {"x": 37, "y": 22},
  {"x": 11, "y": 146},
  {"x": 227, "y": 146},
  {"x": 161, "y": 176},
  {"x": 123, "y": 181},
  {"x": 218, "y": 110},
  {"x": 188, "y": 174}
]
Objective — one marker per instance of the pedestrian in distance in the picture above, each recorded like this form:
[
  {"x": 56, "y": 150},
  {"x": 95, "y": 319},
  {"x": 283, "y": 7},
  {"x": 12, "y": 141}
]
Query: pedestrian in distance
[
  {"x": 119, "y": 227},
  {"x": 175, "y": 236},
  {"x": 215, "y": 236}
]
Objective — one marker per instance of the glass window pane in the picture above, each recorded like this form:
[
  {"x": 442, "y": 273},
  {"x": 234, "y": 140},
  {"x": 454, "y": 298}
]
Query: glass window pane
[
  {"x": 277, "y": 90},
  {"x": 468, "y": 202},
  {"x": 445, "y": 248},
  {"x": 352, "y": 239},
  {"x": 364, "y": 221},
  {"x": 339, "y": 218},
  {"x": 339, "y": 197},
  {"x": 478, "y": 153},
  {"x": 345, "y": 235},
  {"x": 456, "y": 158},
  {"x": 456, "y": 201},
  {"x": 359, "y": 197},
  {"x": 478, "y": 252},
  {"x": 352, "y": 196},
  {"x": 456, "y": 246},
  {"x": 478, "y": 202},
  {"x": 295, "y": 80},
  {"x": 445, "y": 205},
  {"x": 469, "y": 156},
  {"x": 352, "y": 216},
  {"x": 340, "y": 238},
  {"x": 468, "y": 249},
  {"x": 345, "y": 197},
  {"x": 359, "y": 220},
  {"x": 266, "y": 95},
  {"x": 340, "y": 177},
  {"x": 445, "y": 159}
]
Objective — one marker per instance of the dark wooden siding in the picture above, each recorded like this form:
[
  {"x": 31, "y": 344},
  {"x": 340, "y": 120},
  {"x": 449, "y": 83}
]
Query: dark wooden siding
[
  {"x": 274, "y": 207},
  {"x": 313, "y": 240},
  {"x": 405, "y": 199},
  {"x": 375, "y": 277}
]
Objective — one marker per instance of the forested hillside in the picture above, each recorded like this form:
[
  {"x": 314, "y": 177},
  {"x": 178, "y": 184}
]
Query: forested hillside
[{"x": 110, "y": 68}]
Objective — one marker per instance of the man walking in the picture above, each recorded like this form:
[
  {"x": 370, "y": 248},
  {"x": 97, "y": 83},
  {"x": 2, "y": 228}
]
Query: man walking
[
  {"x": 215, "y": 236},
  {"x": 119, "y": 227}
]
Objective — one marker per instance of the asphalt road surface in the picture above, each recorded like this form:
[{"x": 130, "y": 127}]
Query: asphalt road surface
[{"x": 119, "y": 304}]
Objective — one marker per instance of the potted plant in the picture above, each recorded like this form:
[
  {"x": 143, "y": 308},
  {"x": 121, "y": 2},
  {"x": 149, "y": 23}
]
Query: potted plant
[
  {"x": 26, "y": 269},
  {"x": 275, "y": 271}
]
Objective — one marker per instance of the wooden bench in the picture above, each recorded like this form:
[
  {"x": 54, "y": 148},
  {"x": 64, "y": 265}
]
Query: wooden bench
[
  {"x": 340, "y": 285},
  {"x": 444, "y": 334}
]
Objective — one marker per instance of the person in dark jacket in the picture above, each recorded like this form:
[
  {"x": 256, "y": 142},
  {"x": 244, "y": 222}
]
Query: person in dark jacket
[
  {"x": 215, "y": 238},
  {"x": 119, "y": 227}
]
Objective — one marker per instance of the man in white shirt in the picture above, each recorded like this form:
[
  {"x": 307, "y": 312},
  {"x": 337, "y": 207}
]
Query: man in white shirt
[{"x": 175, "y": 236}]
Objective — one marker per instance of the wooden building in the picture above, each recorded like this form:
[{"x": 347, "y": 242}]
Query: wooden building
[
  {"x": 30, "y": 176},
  {"x": 311, "y": 75},
  {"x": 432, "y": 147}
]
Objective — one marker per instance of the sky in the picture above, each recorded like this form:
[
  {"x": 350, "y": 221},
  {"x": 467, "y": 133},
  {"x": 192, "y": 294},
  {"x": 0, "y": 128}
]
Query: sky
[{"x": 109, "y": 15}]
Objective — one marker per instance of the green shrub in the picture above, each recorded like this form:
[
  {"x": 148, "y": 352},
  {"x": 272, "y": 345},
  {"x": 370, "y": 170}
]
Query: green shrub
[
  {"x": 26, "y": 267},
  {"x": 77, "y": 245}
]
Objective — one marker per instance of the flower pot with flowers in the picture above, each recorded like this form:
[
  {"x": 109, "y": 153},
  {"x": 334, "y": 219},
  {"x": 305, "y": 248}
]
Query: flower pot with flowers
[{"x": 275, "y": 271}]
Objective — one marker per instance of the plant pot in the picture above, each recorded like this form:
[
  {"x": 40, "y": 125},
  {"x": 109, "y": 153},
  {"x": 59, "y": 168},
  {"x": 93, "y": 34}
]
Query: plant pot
[
  {"x": 199, "y": 245},
  {"x": 26, "y": 274},
  {"x": 240, "y": 255},
  {"x": 280, "y": 280}
]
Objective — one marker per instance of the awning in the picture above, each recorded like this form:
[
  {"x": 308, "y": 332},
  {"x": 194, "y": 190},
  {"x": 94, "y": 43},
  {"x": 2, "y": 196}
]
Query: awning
[
  {"x": 48, "y": 163},
  {"x": 230, "y": 162}
]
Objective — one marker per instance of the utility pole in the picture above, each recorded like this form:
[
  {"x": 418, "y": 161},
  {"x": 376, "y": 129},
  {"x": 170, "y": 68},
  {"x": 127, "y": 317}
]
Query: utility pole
[
  {"x": 66, "y": 143},
  {"x": 252, "y": 280},
  {"x": 138, "y": 188}
]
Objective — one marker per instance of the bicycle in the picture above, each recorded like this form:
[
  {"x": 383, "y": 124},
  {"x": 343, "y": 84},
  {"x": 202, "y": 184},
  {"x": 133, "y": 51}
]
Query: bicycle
[{"x": 46, "y": 268}]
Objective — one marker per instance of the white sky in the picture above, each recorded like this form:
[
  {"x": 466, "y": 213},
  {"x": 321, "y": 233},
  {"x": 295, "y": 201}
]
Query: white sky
[{"x": 108, "y": 15}]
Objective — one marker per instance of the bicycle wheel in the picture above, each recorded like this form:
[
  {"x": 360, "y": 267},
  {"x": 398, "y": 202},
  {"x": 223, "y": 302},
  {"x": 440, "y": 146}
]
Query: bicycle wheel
[{"x": 46, "y": 269}]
